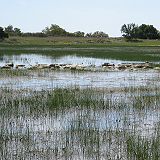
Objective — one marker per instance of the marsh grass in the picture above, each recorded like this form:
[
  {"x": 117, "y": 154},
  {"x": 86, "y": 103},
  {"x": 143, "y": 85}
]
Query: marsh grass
[
  {"x": 75, "y": 123},
  {"x": 14, "y": 72},
  {"x": 143, "y": 148}
]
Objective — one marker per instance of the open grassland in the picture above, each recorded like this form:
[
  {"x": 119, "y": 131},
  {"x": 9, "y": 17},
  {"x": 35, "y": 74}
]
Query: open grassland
[{"x": 77, "y": 41}]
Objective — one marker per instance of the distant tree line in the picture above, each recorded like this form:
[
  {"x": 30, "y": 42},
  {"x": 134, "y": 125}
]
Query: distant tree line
[
  {"x": 12, "y": 31},
  {"x": 53, "y": 30},
  {"x": 133, "y": 31},
  {"x": 130, "y": 31}
]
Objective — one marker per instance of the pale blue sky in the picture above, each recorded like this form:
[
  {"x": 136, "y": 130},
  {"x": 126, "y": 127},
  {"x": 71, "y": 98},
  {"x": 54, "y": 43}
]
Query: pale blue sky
[{"x": 83, "y": 15}]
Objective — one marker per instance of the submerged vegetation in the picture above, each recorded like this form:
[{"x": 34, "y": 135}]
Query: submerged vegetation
[{"x": 74, "y": 123}]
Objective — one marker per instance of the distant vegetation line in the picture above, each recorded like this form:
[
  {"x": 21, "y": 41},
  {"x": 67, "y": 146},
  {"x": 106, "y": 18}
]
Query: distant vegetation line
[
  {"x": 133, "y": 31},
  {"x": 53, "y": 30},
  {"x": 130, "y": 32}
]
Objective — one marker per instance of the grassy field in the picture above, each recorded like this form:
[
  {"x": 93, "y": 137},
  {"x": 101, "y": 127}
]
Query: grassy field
[
  {"x": 113, "y": 48},
  {"x": 77, "y": 41}
]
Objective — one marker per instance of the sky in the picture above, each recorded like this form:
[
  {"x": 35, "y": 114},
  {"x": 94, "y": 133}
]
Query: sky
[{"x": 79, "y": 15}]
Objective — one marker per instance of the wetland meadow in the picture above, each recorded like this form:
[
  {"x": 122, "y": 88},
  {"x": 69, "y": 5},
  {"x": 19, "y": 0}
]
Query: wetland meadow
[{"x": 98, "y": 108}]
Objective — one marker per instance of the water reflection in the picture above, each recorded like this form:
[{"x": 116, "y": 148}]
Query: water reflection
[
  {"x": 48, "y": 80},
  {"x": 33, "y": 59}
]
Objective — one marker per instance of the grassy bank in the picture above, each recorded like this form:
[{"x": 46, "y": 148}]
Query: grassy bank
[
  {"x": 77, "y": 41},
  {"x": 112, "y": 48}
]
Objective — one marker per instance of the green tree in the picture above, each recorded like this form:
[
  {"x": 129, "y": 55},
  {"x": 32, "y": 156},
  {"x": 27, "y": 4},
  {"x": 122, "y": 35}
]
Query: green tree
[
  {"x": 100, "y": 34},
  {"x": 79, "y": 34},
  {"x": 147, "y": 32},
  {"x": 46, "y": 30},
  {"x": 13, "y": 31},
  {"x": 143, "y": 31},
  {"x": 3, "y": 34},
  {"x": 88, "y": 35},
  {"x": 54, "y": 30},
  {"x": 129, "y": 31},
  {"x": 17, "y": 32},
  {"x": 9, "y": 30}
]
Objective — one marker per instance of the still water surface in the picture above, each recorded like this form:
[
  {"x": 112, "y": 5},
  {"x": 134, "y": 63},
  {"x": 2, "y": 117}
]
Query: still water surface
[
  {"x": 42, "y": 79},
  {"x": 49, "y": 80},
  {"x": 33, "y": 59}
]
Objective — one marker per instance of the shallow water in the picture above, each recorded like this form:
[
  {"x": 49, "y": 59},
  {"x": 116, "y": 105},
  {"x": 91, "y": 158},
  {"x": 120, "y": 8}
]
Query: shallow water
[
  {"x": 73, "y": 129},
  {"x": 53, "y": 79},
  {"x": 39, "y": 133},
  {"x": 33, "y": 59},
  {"x": 50, "y": 79}
]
